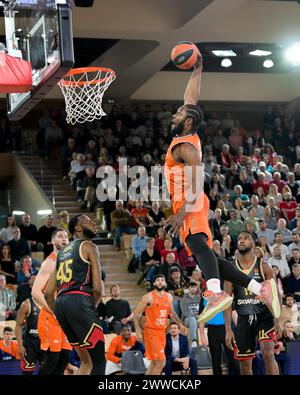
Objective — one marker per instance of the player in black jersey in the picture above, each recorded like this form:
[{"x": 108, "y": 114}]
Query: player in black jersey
[
  {"x": 29, "y": 344},
  {"x": 77, "y": 279},
  {"x": 255, "y": 322}
]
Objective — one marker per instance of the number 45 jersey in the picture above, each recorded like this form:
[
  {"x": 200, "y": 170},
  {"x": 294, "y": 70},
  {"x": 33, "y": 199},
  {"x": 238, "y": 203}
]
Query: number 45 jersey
[{"x": 73, "y": 271}]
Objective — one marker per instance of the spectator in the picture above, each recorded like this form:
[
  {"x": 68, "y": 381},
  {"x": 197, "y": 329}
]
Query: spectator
[
  {"x": 63, "y": 221},
  {"x": 226, "y": 158},
  {"x": 297, "y": 229},
  {"x": 219, "y": 141},
  {"x": 289, "y": 311},
  {"x": 263, "y": 244},
  {"x": 118, "y": 310},
  {"x": 279, "y": 279},
  {"x": 292, "y": 282},
  {"x": 167, "y": 249},
  {"x": 45, "y": 233},
  {"x": 293, "y": 222},
  {"x": 263, "y": 169},
  {"x": 6, "y": 232},
  {"x": 288, "y": 207},
  {"x": 177, "y": 352},
  {"x": 263, "y": 231},
  {"x": 259, "y": 210},
  {"x": 8, "y": 267},
  {"x": 77, "y": 169},
  {"x": 278, "y": 181},
  {"x": 53, "y": 137},
  {"x": 247, "y": 187},
  {"x": 228, "y": 247},
  {"x": 295, "y": 242},
  {"x": 235, "y": 225},
  {"x": 18, "y": 247},
  {"x": 271, "y": 222},
  {"x": 274, "y": 210},
  {"x": 156, "y": 217},
  {"x": 165, "y": 267},
  {"x": 252, "y": 218},
  {"x": 293, "y": 184},
  {"x": 177, "y": 285},
  {"x": 89, "y": 185},
  {"x": 29, "y": 231},
  {"x": 160, "y": 239},
  {"x": 273, "y": 193},
  {"x": 286, "y": 233},
  {"x": 189, "y": 306},
  {"x": 150, "y": 260},
  {"x": 187, "y": 263},
  {"x": 7, "y": 301},
  {"x": 216, "y": 222},
  {"x": 8, "y": 346},
  {"x": 279, "y": 261},
  {"x": 119, "y": 344},
  {"x": 261, "y": 183},
  {"x": 216, "y": 186},
  {"x": 284, "y": 251},
  {"x": 295, "y": 258},
  {"x": 67, "y": 153},
  {"x": 140, "y": 214},
  {"x": 242, "y": 213},
  {"x": 120, "y": 223},
  {"x": 238, "y": 193},
  {"x": 139, "y": 244}
]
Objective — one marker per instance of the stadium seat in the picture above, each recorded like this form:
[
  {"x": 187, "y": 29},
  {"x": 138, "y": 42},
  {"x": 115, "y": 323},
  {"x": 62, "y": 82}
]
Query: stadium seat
[
  {"x": 132, "y": 362},
  {"x": 202, "y": 356}
]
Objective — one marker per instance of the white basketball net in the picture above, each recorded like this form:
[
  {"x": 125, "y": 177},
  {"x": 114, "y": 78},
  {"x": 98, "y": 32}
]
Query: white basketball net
[{"x": 83, "y": 92}]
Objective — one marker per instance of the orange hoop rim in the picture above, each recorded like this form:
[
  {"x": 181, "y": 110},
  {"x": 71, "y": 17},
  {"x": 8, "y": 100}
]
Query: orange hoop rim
[{"x": 83, "y": 70}]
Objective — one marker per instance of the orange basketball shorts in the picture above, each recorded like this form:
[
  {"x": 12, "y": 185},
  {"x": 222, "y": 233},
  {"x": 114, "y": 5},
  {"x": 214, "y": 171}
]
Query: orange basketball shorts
[
  {"x": 51, "y": 335},
  {"x": 155, "y": 343},
  {"x": 196, "y": 222}
]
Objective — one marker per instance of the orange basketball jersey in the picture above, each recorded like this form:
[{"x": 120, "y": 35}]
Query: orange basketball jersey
[{"x": 157, "y": 314}]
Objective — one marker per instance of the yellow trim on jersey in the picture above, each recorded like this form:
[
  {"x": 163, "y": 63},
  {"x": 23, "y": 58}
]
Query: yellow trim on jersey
[
  {"x": 262, "y": 269},
  {"x": 246, "y": 271},
  {"x": 81, "y": 244}
]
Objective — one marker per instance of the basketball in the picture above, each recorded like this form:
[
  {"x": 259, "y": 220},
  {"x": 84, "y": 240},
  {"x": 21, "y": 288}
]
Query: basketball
[{"x": 185, "y": 55}]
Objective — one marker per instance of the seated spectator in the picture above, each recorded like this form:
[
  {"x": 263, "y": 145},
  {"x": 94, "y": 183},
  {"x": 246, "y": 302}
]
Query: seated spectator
[
  {"x": 228, "y": 247},
  {"x": 150, "y": 260},
  {"x": 63, "y": 219},
  {"x": 289, "y": 311},
  {"x": 241, "y": 211},
  {"x": 139, "y": 244},
  {"x": 67, "y": 153},
  {"x": 284, "y": 251},
  {"x": 18, "y": 247},
  {"x": 235, "y": 225},
  {"x": 88, "y": 192},
  {"x": 292, "y": 282},
  {"x": 167, "y": 249},
  {"x": 261, "y": 182},
  {"x": 286, "y": 233},
  {"x": 140, "y": 214},
  {"x": 25, "y": 286},
  {"x": 293, "y": 222},
  {"x": 118, "y": 310},
  {"x": 263, "y": 244},
  {"x": 274, "y": 210},
  {"x": 277, "y": 181},
  {"x": 6, "y": 232},
  {"x": 261, "y": 197},
  {"x": 165, "y": 267},
  {"x": 177, "y": 352},
  {"x": 217, "y": 249},
  {"x": 29, "y": 232},
  {"x": 238, "y": 194},
  {"x": 295, "y": 258},
  {"x": 288, "y": 207},
  {"x": 216, "y": 186},
  {"x": 8, "y": 346},
  {"x": 187, "y": 263},
  {"x": 120, "y": 223},
  {"x": 7, "y": 301},
  {"x": 198, "y": 278},
  {"x": 156, "y": 217},
  {"x": 295, "y": 242},
  {"x": 264, "y": 231},
  {"x": 189, "y": 306},
  {"x": 160, "y": 239},
  {"x": 271, "y": 222},
  {"x": 119, "y": 344},
  {"x": 259, "y": 210},
  {"x": 215, "y": 223},
  {"x": 225, "y": 158},
  {"x": 279, "y": 279},
  {"x": 292, "y": 184},
  {"x": 247, "y": 188},
  {"x": 177, "y": 284},
  {"x": 77, "y": 170},
  {"x": 278, "y": 260},
  {"x": 45, "y": 235},
  {"x": 297, "y": 229},
  {"x": 263, "y": 169},
  {"x": 8, "y": 267},
  {"x": 252, "y": 218},
  {"x": 288, "y": 333}
]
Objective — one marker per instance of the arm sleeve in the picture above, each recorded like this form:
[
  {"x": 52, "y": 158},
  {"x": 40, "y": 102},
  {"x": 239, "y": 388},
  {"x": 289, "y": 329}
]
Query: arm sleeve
[{"x": 112, "y": 349}]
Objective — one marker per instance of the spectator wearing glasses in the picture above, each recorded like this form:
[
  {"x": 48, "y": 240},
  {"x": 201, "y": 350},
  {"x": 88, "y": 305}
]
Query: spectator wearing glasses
[{"x": 19, "y": 247}]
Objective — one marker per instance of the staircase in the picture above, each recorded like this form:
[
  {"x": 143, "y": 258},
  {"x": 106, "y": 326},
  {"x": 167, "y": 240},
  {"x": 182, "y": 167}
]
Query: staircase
[{"x": 48, "y": 175}]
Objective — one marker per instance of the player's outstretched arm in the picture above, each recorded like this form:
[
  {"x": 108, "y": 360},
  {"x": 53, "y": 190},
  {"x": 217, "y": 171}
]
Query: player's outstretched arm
[{"x": 192, "y": 92}]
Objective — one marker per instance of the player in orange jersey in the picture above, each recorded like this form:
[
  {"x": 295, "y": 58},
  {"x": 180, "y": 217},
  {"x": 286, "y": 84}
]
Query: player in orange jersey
[
  {"x": 53, "y": 340},
  {"x": 184, "y": 174},
  {"x": 157, "y": 306}
]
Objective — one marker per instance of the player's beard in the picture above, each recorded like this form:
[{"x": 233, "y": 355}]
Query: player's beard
[
  {"x": 245, "y": 250},
  {"x": 177, "y": 130},
  {"x": 162, "y": 288},
  {"x": 88, "y": 233}
]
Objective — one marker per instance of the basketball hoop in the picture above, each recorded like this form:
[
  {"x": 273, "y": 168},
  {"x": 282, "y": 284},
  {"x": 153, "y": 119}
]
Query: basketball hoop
[{"x": 83, "y": 90}]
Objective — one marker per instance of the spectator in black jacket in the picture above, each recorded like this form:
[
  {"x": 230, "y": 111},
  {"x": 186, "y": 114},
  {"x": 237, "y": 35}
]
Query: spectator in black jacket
[
  {"x": 89, "y": 185},
  {"x": 118, "y": 310},
  {"x": 292, "y": 282},
  {"x": 19, "y": 247},
  {"x": 29, "y": 231},
  {"x": 45, "y": 233}
]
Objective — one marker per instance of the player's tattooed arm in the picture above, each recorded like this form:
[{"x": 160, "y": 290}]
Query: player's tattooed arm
[{"x": 50, "y": 291}]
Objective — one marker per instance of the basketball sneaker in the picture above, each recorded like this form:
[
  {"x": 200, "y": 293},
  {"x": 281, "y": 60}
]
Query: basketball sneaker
[
  {"x": 269, "y": 295},
  {"x": 216, "y": 302}
]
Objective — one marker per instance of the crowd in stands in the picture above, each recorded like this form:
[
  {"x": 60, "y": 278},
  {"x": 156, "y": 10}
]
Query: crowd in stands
[{"x": 252, "y": 180}]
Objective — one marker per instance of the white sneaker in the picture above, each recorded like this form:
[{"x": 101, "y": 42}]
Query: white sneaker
[{"x": 194, "y": 343}]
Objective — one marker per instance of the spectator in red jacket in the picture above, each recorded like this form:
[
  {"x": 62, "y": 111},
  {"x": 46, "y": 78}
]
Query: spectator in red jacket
[
  {"x": 278, "y": 181},
  {"x": 288, "y": 207},
  {"x": 261, "y": 182}
]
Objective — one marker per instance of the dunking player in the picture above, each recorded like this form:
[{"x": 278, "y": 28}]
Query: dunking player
[
  {"x": 53, "y": 339},
  {"x": 190, "y": 217},
  {"x": 29, "y": 345},
  {"x": 255, "y": 322},
  {"x": 77, "y": 279},
  {"x": 157, "y": 305}
]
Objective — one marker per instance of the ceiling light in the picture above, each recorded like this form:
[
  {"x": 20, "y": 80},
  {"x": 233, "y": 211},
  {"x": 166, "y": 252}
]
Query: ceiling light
[
  {"x": 226, "y": 62},
  {"x": 259, "y": 52},
  {"x": 18, "y": 212},
  {"x": 223, "y": 53},
  {"x": 44, "y": 212},
  {"x": 268, "y": 63},
  {"x": 293, "y": 54}
]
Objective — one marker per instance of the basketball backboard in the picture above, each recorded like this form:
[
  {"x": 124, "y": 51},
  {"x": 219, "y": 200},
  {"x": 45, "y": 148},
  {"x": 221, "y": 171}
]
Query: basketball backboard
[{"x": 39, "y": 31}]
